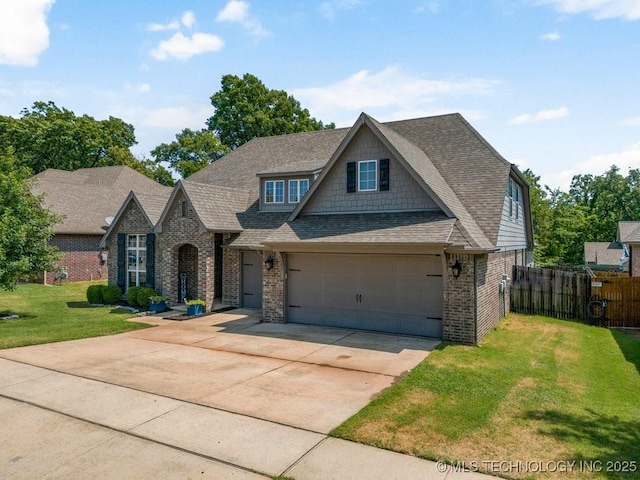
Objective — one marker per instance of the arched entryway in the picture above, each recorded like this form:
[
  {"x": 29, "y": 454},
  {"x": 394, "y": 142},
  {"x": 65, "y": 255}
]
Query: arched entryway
[{"x": 187, "y": 272}]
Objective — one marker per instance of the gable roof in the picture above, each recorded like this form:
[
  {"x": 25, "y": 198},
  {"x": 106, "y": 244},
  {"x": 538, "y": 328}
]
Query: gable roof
[
  {"x": 86, "y": 197},
  {"x": 629, "y": 231},
  {"x": 603, "y": 253},
  {"x": 151, "y": 207},
  {"x": 420, "y": 167},
  {"x": 216, "y": 208}
]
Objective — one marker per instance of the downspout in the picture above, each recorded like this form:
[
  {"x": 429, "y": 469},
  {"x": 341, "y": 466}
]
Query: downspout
[{"x": 475, "y": 299}]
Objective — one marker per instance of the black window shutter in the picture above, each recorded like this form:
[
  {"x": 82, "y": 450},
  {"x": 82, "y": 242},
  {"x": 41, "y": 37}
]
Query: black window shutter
[
  {"x": 122, "y": 257},
  {"x": 351, "y": 177},
  {"x": 151, "y": 260},
  {"x": 384, "y": 174}
]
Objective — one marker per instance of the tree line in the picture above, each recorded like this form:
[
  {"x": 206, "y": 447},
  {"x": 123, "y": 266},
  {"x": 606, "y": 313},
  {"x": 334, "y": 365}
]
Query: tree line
[{"x": 588, "y": 212}]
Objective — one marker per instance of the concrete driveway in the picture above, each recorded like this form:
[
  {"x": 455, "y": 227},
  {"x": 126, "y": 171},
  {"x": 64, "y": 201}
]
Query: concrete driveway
[
  {"x": 307, "y": 377},
  {"x": 218, "y": 397}
]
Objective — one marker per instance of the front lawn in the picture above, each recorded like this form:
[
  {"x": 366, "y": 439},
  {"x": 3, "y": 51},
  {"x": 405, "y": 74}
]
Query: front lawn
[
  {"x": 538, "y": 390},
  {"x": 56, "y": 313}
]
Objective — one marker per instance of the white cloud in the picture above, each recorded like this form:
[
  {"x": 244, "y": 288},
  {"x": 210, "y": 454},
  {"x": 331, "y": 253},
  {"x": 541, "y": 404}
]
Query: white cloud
[
  {"x": 187, "y": 20},
  {"x": 237, "y": 11},
  {"x": 142, "y": 88},
  {"x": 234, "y": 11},
  {"x": 24, "y": 33},
  {"x": 391, "y": 93},
  {"x": 599, "y": 9},
  {"x": 631, "y": 122},
  {"x": 628, "y": 157},
  {"x": 176, "y": 118},
  {"x": 428, "y": 7},
  {"x": 330, "y": 8},
  {"x": 183, "y": 48},
  {"x": 541, "y": 116},
  {"x": 551, "y": 36}
]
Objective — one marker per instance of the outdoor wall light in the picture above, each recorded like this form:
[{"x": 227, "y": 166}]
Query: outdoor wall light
[
  {"x": 456, "y": 269},
  {"x": 268, "y": 263}
]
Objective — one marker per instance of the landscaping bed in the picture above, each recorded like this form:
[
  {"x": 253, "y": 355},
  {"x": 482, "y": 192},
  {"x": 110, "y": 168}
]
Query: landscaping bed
[{"x": 537, "y": 393}]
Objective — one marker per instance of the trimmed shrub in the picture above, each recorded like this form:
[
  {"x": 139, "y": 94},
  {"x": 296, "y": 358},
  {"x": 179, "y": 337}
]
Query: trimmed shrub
[
  {"x": 143, "y": 296},
  {"x": 95, "y": 293},
  {"x": 111, "y": 294},
  {"x": 132, "y": 296}
]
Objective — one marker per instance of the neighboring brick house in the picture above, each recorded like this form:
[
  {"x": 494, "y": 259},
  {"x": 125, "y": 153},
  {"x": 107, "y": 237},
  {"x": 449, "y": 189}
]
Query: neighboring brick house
[
  {"x": 629, "y": 236},
  {"x": 405, "y": 227},
  {"x": 87, "y": 199}
]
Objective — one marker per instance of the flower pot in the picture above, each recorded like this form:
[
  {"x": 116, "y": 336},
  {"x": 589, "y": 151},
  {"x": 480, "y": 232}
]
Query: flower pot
[
  {"x": 195, "y": 310},
  {"x": 157, "y": 307}
]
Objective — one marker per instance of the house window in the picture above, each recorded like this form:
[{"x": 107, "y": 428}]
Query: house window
[
  {"x": 274, "y": 191},
  {"x": 367, "y": 175},
  {"x": 183, "y": 208},
  {"x": 136, "y": 260},
  {"x": 297, "y": 189}
]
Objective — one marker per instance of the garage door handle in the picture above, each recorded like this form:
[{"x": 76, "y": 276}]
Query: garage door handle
[{"x": 358, "y": 298}]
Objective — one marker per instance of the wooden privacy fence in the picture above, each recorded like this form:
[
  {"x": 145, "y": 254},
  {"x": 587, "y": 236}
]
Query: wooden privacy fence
[
  {"x": 555, "y": 293},
  {"x": 623, "y": 299},
  {"x": 567, "y": 294}
]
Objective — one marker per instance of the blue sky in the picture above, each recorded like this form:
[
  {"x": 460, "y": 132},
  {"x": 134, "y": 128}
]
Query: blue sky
[{"x": 553, "y": 85}]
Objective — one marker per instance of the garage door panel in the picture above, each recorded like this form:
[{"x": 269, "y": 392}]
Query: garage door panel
[{"x": 400, "y": 294}]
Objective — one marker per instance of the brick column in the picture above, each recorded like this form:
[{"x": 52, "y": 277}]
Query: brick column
[
  {"x": 273, "y": 290},
  {"x": 458, "y": 324}
]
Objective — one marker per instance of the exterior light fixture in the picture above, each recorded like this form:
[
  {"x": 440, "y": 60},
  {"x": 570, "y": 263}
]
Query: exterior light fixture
[
  {"x": 268, "y": 263},
  {"x": 456, "y": 269}
]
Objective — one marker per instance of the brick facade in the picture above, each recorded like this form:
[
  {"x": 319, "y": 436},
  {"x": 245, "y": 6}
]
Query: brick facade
[
  {"x": 82, "y": 257},
  {"x": 474, "y": 302},
  {"x": 231, "y": 264},
  {"x": 179, "y": 230},
  {"x": 273, "y": 285},
  {"x": 132, "y": 221}
]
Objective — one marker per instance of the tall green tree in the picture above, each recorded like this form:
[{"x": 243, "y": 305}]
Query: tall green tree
[
  {"x": 245, "y": 108},
  {"x": 48, "y": 136},
  {"x": 190, "y": 152},
  {"x": 25, "y": 227}
]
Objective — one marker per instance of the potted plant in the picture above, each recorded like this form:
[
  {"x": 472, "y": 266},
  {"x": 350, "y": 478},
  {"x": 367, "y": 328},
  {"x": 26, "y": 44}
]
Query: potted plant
[
  {"x": 195, "y": 307},
  {"x": 157, "y": 303}
]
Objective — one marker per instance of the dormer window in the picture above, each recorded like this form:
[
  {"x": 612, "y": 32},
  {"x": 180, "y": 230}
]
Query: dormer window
[
  {"x": 297, "y": 189},
  {"x": 367, "y": 175},
  {"x": 274, "y": 191}
]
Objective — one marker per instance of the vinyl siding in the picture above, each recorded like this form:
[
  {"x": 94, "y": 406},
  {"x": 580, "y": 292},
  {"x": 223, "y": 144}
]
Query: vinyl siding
[
  {"x": 512, "y": 234},
  {"x": 404, "y": 193}
]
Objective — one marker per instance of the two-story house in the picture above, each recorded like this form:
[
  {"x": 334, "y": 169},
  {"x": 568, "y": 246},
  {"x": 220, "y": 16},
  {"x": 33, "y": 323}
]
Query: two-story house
[{"x": 405, "y": 227}]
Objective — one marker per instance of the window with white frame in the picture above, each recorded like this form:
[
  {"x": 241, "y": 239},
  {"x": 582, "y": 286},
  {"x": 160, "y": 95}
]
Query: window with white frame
[
  {"x": 136, "y": 260},
  {"x": 367, "y": 175},
  {"x": 514, "y": 195},
  {"x": 274, "y": 191},
  {"x": 297, "y": 189}
]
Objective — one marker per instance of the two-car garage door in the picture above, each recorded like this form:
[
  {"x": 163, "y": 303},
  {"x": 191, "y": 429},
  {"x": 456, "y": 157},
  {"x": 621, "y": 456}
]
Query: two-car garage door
[{"x": 387, "y": 293}]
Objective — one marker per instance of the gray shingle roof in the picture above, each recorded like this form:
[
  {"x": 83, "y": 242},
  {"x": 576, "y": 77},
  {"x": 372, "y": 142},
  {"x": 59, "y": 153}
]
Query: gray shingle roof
[
  {"x": 256, "y": 226},
  {"x": 456, "y": 165},
  {"x": 603, "y": 253},
  {"x": 629, "y": 232},
  {"x": 86, "y": 197},
  {"x": 217, "y": 207},
  {"x": 410, "y": 227}
]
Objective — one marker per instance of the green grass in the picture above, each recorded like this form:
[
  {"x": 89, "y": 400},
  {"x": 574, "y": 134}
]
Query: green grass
[
  {"x": 538, "y": 389},
  {"x": 56, "y": 313}
]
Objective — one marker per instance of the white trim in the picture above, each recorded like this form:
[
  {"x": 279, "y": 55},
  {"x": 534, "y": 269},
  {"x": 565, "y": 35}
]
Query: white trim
[
  {"x": 275, "y": 196},
  {"x": 297, "y": 190},
  {"x": 141, "y": 246},
  {"x": 375, "y": 179}
]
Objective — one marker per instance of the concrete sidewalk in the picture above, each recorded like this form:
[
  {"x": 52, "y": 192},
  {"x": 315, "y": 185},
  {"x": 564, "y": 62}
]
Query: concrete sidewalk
[{"x": 56, "y": 425}]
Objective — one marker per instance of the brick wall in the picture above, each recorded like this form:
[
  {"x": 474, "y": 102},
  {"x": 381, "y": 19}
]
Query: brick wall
[
  {"x": 231, "y": 260},
  {"x": 132, "y": 221},
  {"x": 473, "y": 303},
  {"x": 177, "y": 231},
  {"x": 81, "y": 257},
  {"x": 273, "y": 290},
  {"x": 458, "y": 323}
]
